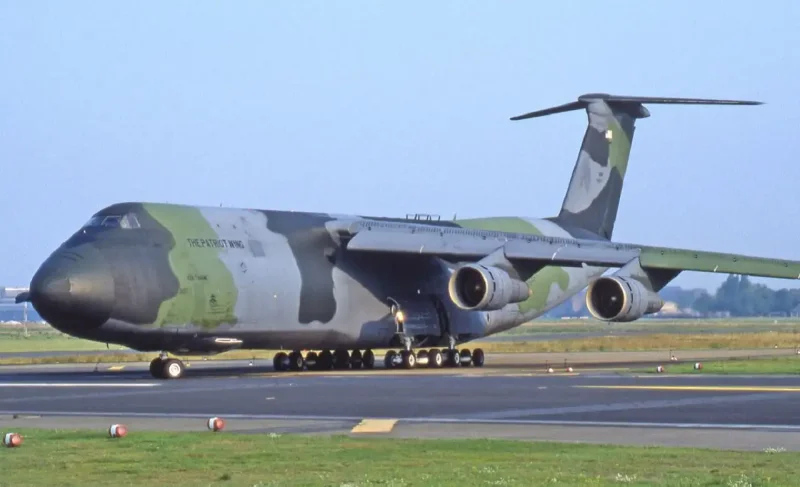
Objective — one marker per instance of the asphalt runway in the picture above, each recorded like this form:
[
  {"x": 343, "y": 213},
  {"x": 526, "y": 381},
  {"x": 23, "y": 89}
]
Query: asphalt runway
[{"x": 503, "y": 401}]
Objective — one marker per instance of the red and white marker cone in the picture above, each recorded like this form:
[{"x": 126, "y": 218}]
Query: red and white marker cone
[
  {"x": 12, "y": 440},
  {"x": 216, "y": 424},
  {"x": 549, "y": 370},
  {"x": 698, "y": 366},
  {"x": 569, "y": 369},
  {"x": 659, "y": 369},
  {"x": 117, "y": 431}
]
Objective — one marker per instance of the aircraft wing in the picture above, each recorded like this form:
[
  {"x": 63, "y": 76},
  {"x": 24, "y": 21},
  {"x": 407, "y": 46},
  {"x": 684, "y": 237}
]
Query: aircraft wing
[{"x": 465, "y": 244}]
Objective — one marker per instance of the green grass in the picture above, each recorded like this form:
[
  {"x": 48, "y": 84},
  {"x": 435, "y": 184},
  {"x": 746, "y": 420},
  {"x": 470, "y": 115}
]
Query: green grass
[
  {"x": 635, "y": 343},
  {"x": 203, "y": 458},
  {"x": 44, "y": 338},
  {"x": 39, "y": 338},
  {"x": 769, "y": 365},
  {"x": 657, "y": 325}
]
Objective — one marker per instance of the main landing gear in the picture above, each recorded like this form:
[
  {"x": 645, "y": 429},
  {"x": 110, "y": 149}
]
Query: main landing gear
[
  {"x": 407, "y": 359},
  {"x": 433, "y": 358},
  {"x": 325, "y": 360},
  {"x": 164, "y": 367}
]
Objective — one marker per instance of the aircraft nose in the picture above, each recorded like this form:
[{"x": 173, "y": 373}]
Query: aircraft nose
[{"x": 73, "y": 290}]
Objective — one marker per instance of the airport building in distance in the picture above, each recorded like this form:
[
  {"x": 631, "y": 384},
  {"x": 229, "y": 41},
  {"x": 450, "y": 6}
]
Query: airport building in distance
[{"x": 13, "y": 312}]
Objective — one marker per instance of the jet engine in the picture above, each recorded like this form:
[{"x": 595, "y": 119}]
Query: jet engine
[
  {"x": 479, "y": 287},
  {"x": 615, "y": 298}
]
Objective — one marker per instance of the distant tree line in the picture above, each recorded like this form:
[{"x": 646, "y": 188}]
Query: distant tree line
[{"x": 740, "y": 297}]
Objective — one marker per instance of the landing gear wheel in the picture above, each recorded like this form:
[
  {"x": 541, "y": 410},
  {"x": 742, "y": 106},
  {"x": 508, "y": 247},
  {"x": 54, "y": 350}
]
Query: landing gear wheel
[
  {"x": 368, "y": 359},
  {"x": 342, "y": 360},
  {"x": 296, "y": 361},
  {"x": 477, "y": 357},
  {"x": 356, "y": 360},
  {"x": 388, "y": 360},
  {"x": 465, "y": 357},
  {"x": 435, "y": 359},
  {"x": 453, "y": 359},
  {"x": 423, "y": 358},
  {"x": 280, "y": 362},
  {"x": 409, "y": 359},
  {"x": 312, "y": 361},
  {"x": 325, "y": 360},
  {"x": 156, "y": 368},
  {"x": 172, "y": 369}
]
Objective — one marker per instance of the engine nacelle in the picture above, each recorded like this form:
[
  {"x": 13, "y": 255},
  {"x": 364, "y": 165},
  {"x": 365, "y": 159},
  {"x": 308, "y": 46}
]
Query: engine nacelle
[
  {"x": 615, "y": 298},
  {"x": 479, "y": 287}
]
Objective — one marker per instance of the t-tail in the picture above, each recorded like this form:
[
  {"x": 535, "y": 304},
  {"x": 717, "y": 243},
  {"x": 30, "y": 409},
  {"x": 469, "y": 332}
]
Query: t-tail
[{"x": 595, "y": 188}]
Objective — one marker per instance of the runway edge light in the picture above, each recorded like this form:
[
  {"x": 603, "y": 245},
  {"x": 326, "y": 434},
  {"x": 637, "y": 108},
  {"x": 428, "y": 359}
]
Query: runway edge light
[
  {"x": 698, "y": 366},
  {"x": 12, "y": 440},
  {"x": 117, "y": 431},
  {"x": 216, "y": 424}
]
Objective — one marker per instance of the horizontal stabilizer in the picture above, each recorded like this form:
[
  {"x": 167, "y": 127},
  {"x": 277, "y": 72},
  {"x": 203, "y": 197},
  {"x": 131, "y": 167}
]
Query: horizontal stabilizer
[
  {"x": 585, "y": 100},
  {"x": 23, "y": 297}
]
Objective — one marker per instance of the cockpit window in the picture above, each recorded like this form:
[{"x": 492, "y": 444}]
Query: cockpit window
[
  {"x": 128, "y": 220},
  {"x": 111, "y": 221}
]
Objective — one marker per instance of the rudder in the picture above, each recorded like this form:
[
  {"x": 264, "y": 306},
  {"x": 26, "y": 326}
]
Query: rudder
[{"x": 595, "y": 188}]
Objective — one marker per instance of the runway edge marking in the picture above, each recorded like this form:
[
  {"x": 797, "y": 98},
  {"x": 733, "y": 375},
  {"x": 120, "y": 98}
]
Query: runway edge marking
[
  {"x": 78, "y": 385},
  {"x": 699, "y": 388},
  {"x": 412, "y": 420},
  {"x": 374, "y": 426}
]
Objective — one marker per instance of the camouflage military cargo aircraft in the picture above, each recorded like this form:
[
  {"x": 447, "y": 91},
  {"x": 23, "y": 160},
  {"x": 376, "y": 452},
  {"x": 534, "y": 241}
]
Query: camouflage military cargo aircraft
[{"x": 330, "y": 288}]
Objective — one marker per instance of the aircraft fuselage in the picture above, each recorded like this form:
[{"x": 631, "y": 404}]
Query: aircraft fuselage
[{"x": 159, "y": 277}]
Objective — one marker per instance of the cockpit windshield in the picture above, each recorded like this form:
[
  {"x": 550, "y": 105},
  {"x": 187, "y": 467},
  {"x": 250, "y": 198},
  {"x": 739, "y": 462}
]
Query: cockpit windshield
[{"x": 127, "y": 221}]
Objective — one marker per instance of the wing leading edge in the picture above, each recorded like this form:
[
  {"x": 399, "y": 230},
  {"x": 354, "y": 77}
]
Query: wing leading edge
[{"x": 465, "y": 244}]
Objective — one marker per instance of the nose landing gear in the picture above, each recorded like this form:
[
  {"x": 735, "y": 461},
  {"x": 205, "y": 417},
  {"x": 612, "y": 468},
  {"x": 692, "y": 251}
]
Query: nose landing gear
[{"x": 164, "y": 367}]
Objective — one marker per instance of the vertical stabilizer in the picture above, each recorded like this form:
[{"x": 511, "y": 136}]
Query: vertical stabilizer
[{"x": 595, "y": 188}]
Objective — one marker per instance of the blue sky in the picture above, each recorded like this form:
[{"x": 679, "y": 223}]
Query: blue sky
[{"x": 387, "y": 108}]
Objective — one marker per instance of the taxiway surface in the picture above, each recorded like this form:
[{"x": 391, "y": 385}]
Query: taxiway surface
[{"x": 594, "y": 405}]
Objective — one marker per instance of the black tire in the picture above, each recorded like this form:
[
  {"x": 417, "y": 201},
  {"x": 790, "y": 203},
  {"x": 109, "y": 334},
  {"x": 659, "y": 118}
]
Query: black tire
[
  {"x": 341, "y": 360},
  {"x": 369, "y": 359},
  {"x": 356, "y": 359},
  {"x": 452, "y": 358},
  {"x": 465, "y": 357},
  {"x": 325, "y": 360},
  {"x": 388, "y": 359},
  {"x": 296, "y": 362},
  {"x": 172, "y": 369},
  {"x": 478, "y": 357},
  {"x": 312, "y": 361},
  {"x": 435, "y": 358},
  {"x": 409, "y": 359},
  {"x": 279, "y": 362},
  {"x": 156, "y": 369}
]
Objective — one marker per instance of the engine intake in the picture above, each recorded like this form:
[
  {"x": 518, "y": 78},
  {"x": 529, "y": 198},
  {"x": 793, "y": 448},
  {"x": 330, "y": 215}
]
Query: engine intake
[
  {"x": 615, "y": 298},
  {"x": 478, "y": 287}
]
